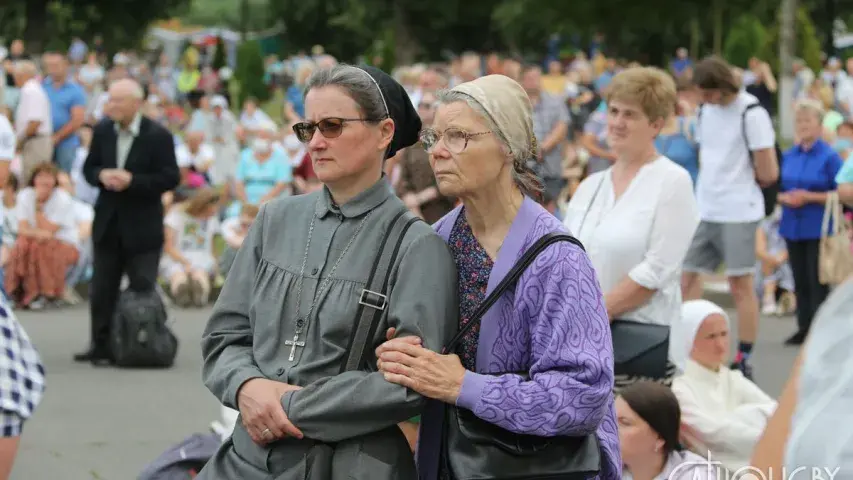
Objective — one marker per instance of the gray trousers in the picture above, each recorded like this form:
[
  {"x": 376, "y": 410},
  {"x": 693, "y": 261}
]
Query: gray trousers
[{"x": 35, "y": 151}]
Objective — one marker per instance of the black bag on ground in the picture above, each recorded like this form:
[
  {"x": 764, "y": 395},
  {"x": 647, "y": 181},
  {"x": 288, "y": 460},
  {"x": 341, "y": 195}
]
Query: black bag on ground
[
  {"x": 640, "y": 349},
  {"x": 475, "y": 449},
  {"x": 141, "y": 337}
]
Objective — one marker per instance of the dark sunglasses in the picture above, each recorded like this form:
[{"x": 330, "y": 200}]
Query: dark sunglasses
[{"x": 329, "y": 128}]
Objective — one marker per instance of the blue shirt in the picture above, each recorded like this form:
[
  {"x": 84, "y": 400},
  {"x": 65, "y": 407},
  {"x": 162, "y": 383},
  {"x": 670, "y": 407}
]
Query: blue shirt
[
  {"x": 62, "y": 100},
  {"x": 294, "y": 97},
  {"x": 681, "y": 148},
  {"x": 259, "y": 178},
  {"x": 813, "y": 170}
]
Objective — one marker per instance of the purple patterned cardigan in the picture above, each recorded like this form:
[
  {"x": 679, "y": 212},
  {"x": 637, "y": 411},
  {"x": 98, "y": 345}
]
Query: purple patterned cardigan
[{"x": 555, "y": 326}]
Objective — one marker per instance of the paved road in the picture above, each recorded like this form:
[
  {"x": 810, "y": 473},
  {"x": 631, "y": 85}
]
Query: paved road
[{"x": 107, "y": 423}]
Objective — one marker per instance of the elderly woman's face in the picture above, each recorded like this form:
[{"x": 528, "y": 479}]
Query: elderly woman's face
[
  {"x": 711, "y": 345},
  {"x": 351, "y": 147},
  {"x": 807, "y": 124},
  {"x": 467, "y": 157},
  {"x": 637, "y": 440},
  {"x": 628, "y": 128}
]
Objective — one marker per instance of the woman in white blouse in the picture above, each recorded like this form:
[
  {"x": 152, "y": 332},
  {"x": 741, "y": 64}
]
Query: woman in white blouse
[
  {"x": 46, "y": 246},
  {"x": 637, "y": 218},
  {"x": 722, "y": 412}
]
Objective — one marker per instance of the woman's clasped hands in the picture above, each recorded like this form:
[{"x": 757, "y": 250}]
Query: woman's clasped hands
[
  {"x": 261, "y": 411},
  {"x": 404, "y": 361}
]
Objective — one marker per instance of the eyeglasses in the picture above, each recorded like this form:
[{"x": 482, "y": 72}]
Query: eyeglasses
[
  {"x": 426, "y": 105},
  {"x": 329, "y": 128},
  {"x": 455, "y": 139}
]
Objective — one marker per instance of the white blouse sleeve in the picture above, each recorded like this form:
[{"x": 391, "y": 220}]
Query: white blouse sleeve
[
  {"x": 751, "y": 394},
  {"x": 675, "y": 221},
  {"x": 25, "y": 206}
]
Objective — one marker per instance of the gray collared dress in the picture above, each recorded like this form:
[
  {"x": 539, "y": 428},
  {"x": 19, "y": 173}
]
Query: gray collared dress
[{"x": 251, "y": 330}]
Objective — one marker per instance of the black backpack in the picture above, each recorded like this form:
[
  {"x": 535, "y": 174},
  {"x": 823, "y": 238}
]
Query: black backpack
[
  {"x": 141, "y": 337},
  {"x": 769, "y": 192}
]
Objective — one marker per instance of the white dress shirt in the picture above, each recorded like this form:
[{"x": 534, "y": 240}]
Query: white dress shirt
[
  {"x": 33, "y": 105},
  {"x": 644, "y": 234},
  {"x": 125, "y": 138}
]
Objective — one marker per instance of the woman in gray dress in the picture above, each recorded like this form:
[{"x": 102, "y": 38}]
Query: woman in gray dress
[{"x": 287, "y": 343}]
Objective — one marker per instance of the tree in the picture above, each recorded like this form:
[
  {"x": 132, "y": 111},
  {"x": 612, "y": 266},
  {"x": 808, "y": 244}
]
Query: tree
[
  {"x": 787, "y": 44},
  {"x": 250, "y": 72},
  {"x": 120, "y": 23},
  {"x": 747, "y": 38}
]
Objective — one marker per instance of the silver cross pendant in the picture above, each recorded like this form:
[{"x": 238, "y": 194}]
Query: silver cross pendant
[{"x": 293, "y": 344}]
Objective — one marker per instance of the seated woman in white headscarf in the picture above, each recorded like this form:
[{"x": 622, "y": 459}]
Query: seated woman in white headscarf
[{"x": 722, "y": 412}]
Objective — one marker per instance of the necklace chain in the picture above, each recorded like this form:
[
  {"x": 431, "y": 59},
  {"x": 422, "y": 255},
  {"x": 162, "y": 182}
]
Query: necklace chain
[{"x": 326, "y": 281}]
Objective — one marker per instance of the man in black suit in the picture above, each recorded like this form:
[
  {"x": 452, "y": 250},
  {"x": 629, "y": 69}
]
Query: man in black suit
[{"x": 132, "y": 160}]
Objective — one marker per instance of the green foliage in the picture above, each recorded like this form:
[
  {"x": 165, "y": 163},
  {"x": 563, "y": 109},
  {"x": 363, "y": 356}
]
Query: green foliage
[
  {"x": 219, "y": 59},
  {"x": 808, "y": 44},
  {"x": 226, "y": 13},
  {"x": 747, "y": 38},
  {"x": 250, "y": 72},
  {"x": 52, "y": 23}
]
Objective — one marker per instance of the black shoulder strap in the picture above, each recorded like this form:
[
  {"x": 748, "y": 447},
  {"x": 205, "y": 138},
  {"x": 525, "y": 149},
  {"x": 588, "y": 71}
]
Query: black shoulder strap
[
  {"x": 373, "y": 299},
  {"x": 509, "y": 280},
  {"x": 744, "y": 133}
]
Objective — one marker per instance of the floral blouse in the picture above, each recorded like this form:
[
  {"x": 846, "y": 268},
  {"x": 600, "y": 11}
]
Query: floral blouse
[{"x": 473, "y": 265}]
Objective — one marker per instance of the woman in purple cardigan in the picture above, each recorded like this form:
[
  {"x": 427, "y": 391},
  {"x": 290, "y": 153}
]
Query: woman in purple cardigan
[{"x": 552, "y": 324}]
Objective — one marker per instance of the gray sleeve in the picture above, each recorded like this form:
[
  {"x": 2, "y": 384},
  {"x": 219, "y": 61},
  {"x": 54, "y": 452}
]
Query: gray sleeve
[
  {"x": 423, "y": 303},
  {"x": 226, "y": 343}
]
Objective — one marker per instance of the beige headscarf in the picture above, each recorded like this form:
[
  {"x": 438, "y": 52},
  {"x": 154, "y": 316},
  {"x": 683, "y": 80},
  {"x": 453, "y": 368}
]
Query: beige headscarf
[{"x": 509, "y": 107}]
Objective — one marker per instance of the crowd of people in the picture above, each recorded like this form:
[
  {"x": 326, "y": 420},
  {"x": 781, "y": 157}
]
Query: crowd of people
[{"x": 165, "y": 183}]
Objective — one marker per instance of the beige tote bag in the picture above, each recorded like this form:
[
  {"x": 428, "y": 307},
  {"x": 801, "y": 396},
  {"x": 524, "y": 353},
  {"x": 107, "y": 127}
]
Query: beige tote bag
[{"x": 836, "y": 258}]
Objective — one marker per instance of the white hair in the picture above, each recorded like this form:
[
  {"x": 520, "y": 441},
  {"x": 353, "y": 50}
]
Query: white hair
[
  {"x": 810, "y": 105},
  {"x": 133, "y": 88}
]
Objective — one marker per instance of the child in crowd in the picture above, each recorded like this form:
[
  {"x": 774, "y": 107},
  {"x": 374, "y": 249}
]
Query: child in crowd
[
  {"x": 773, "y": 272},
  {"x": 190, "y": 263},
  {"x": 234, "y": 231}
]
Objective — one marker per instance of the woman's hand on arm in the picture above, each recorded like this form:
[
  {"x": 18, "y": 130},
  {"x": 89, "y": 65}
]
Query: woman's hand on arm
[
  {"x": 259, "y": 402},
  {"x": 431, "y": 374}
]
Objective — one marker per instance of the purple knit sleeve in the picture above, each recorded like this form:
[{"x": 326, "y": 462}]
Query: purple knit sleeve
[{"x": 571, "y": 353}]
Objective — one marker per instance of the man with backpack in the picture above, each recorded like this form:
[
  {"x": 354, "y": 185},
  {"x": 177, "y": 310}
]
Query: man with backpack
[{"x": 737, "y": 157}]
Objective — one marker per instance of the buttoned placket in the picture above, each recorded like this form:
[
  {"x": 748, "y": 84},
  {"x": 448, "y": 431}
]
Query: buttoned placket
[{"x": 326, "y": 228}]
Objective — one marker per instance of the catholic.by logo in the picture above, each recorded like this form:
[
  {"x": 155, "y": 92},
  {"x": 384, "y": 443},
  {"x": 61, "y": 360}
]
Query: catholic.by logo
[{"x": 713, "y": 469}]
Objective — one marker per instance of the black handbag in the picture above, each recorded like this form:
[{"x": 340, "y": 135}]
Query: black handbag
[
  {"x": 476, "y": 449},
  {"x": 639, "y": 349}
]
